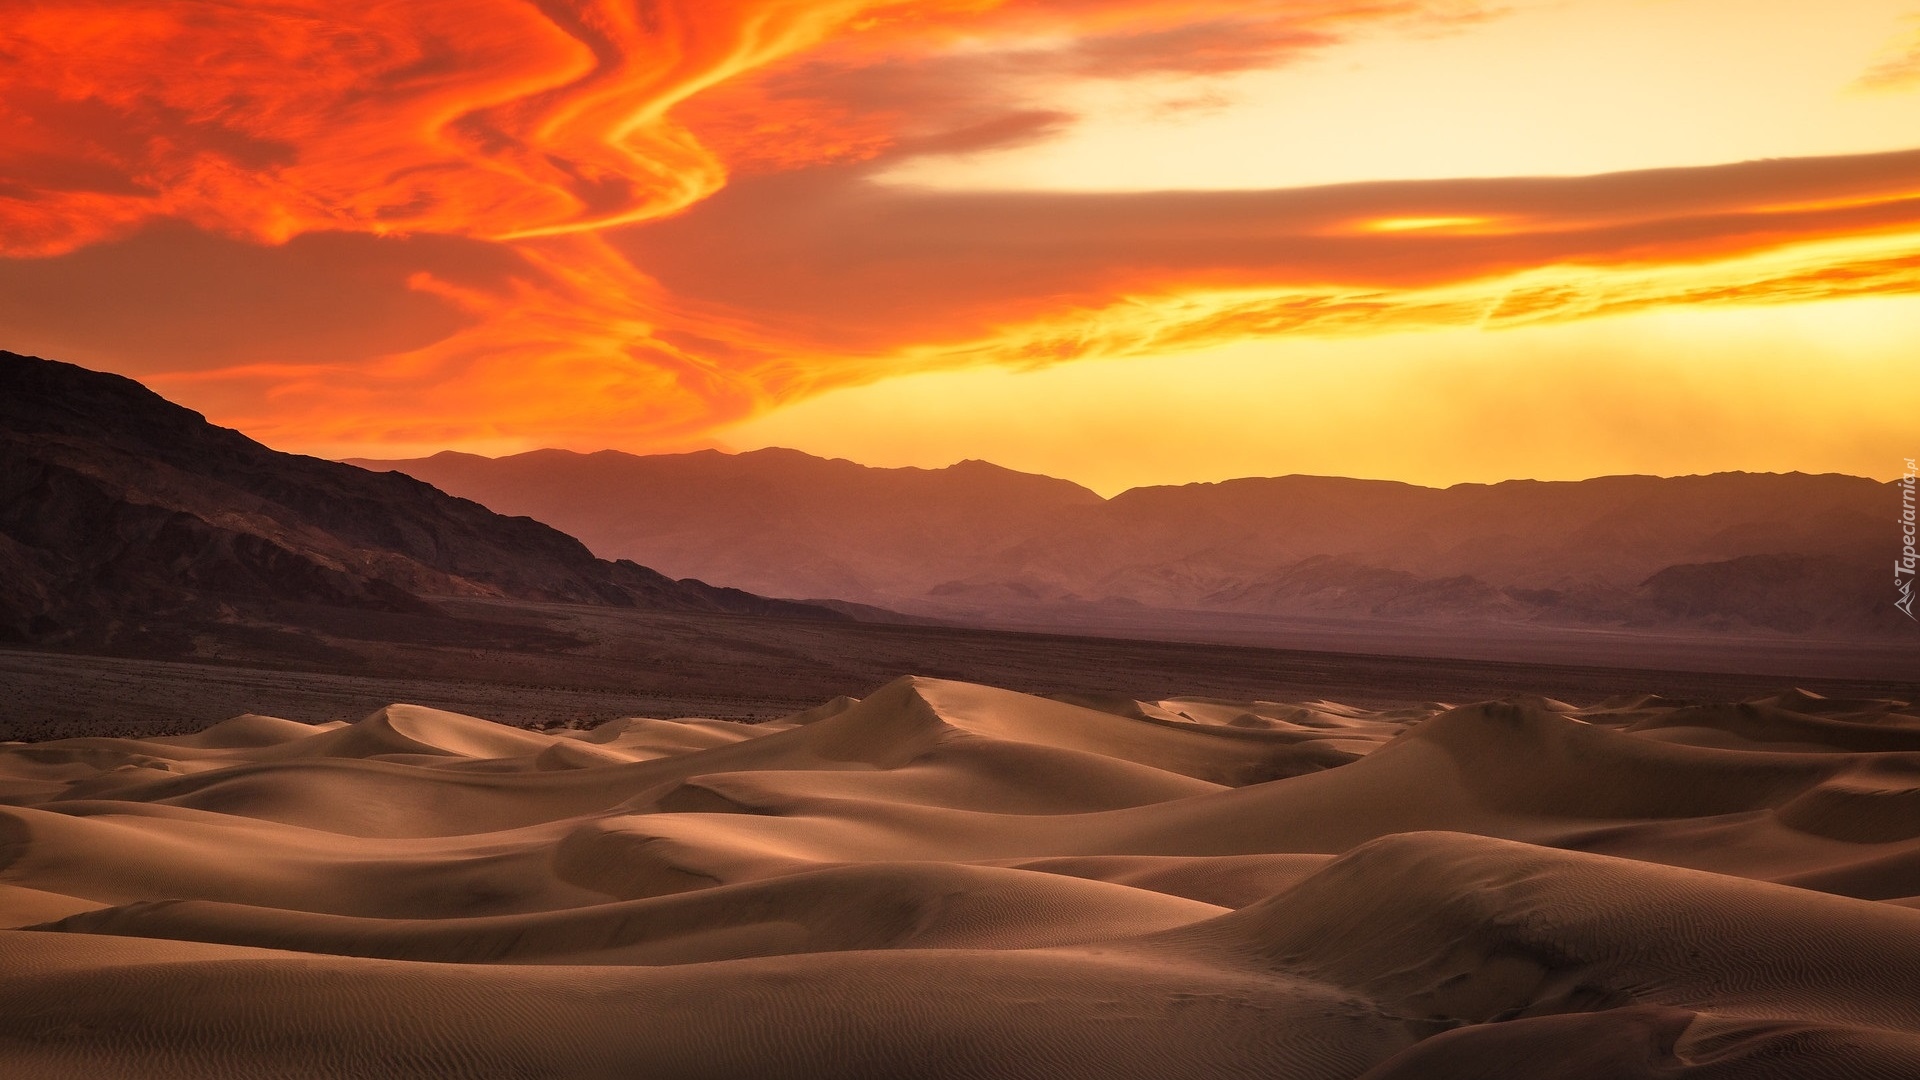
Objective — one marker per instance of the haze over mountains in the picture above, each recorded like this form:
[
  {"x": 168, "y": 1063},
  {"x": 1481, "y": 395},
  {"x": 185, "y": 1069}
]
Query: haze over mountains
[
  {"x": 118, "y": 507},
  {"x": 1789, "y": 553}
]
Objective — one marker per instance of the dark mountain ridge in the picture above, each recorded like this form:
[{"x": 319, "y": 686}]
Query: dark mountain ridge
[{"x": 118, "y": 507}]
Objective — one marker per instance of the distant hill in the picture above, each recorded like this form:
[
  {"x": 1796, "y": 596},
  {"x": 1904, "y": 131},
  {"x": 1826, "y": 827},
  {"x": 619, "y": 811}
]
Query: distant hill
[
  {"x": 118, "y": 507},
  {"x": 772, "y": 518},
  {"x": 1789, "y": 553}
]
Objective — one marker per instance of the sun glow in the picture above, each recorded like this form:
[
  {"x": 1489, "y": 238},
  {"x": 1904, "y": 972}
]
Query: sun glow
[{"x": 1824, "y": 387}]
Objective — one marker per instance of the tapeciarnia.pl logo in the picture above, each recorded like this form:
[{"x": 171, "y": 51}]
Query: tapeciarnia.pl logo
[{"x": 1904, "y": 565}]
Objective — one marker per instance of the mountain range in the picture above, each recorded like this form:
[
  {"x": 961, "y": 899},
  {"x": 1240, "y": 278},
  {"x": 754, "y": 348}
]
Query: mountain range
[
  {"x": 1792, "y": 554},
  {"x": 119, "y": 508}
]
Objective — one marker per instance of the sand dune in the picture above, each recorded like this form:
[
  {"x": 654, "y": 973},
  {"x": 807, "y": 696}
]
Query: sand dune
[{"x": 944, "y": 879}]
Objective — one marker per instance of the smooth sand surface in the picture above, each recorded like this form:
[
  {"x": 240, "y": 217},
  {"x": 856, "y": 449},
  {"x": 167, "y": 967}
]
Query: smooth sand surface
[{"x": 945, "y": 879}]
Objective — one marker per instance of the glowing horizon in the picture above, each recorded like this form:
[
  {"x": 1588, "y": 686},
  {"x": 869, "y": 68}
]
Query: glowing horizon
[{"x": 1113, "y": 240}]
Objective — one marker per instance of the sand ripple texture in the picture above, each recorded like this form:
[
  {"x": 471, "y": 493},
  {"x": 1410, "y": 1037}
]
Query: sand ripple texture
[{"x": 949, "y": 880}]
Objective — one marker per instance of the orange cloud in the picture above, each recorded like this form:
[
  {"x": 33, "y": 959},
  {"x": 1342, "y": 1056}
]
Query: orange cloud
[
  {"x": 590, "y": 223},
  {"x": 492, "y": 119},
  {"x": 868, "y": 267},
  {"x": 947, "y": 78}
]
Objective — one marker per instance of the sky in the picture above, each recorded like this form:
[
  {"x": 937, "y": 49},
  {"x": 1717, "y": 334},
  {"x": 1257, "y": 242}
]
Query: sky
[{"x": 1120, "y": 241}]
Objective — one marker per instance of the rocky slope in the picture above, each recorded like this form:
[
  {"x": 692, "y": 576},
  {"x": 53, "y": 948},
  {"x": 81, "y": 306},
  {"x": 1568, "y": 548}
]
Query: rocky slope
[{"x": 118, "y": 507}]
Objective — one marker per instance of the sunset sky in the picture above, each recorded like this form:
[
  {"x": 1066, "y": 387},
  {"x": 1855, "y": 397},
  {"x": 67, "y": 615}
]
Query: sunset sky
[{"x": 1121, "y": 241}]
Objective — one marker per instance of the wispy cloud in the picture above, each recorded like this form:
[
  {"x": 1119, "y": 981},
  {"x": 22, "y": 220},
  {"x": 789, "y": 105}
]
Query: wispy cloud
[{"x": 1899, "y": 67}]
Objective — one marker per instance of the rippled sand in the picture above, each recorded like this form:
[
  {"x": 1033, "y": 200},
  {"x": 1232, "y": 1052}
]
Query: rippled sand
[{"x": 952, "y": 880}]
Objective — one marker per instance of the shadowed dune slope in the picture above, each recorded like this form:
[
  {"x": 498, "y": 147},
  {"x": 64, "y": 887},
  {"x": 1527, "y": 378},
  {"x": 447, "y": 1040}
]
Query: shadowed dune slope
[{"x": 944, "y": 879}]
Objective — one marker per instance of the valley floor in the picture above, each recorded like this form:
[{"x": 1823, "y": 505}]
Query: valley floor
[{"x": 548, "y": 664}]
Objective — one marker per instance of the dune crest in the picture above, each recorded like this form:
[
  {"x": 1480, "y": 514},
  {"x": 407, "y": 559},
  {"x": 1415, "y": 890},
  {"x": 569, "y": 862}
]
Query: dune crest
[{"x": 942, "y": 878}]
